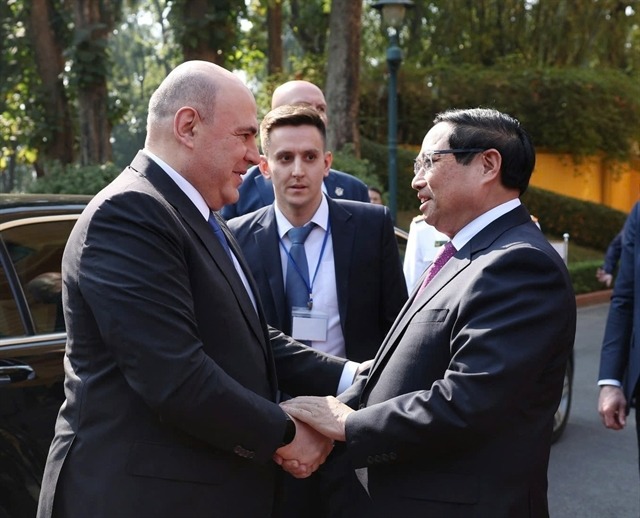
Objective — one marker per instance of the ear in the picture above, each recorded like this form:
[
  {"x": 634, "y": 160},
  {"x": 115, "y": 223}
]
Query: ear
[
  {"x": 328, "y": 160},
  {"x": 184, "y": 125},
  {"x": 263, "y": 165},
  {"x": 491, "y": 163}
]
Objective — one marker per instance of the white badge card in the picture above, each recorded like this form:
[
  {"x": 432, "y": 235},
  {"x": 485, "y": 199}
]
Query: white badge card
[{"x": 308, "y": 324}]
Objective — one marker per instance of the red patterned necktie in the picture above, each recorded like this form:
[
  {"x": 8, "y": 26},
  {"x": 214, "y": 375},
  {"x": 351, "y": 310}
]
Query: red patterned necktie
[{"x": 441, "y": 258}]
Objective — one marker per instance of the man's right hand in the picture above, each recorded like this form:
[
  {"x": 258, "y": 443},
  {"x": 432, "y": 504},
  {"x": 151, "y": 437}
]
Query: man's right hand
[
  {"x": 604, "y": 277},
  {"x": 306, "y": 453},
  {"x": 612, "y": 407}
]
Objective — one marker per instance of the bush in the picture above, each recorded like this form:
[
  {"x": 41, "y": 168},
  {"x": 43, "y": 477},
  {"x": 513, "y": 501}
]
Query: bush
[
  {"x": 588, "y": 224},
  {"x": 74, "y": 179},
  {"x": 583, "y": 276}
]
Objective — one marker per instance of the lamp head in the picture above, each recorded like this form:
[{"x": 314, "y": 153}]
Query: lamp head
[{"x": 393, "y": 11}]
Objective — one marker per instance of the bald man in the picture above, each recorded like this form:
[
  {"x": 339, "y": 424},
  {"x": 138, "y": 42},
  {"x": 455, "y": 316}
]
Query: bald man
[
  {"x": 170, "y": 369},
  {"x": 256, "y": 190}
]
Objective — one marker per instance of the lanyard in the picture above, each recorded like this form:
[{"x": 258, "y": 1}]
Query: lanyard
[{"x": 297, "y": 268}]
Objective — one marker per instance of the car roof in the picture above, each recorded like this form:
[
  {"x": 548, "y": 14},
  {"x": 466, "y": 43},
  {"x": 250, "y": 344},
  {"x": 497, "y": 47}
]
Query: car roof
[{"x": 16, "y": 206}]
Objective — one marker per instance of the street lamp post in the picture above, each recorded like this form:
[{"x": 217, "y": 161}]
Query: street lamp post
[{"x": 393, "y": 13}]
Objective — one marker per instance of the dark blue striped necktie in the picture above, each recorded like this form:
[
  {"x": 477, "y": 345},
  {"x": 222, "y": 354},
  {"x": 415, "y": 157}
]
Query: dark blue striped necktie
[{"x": 220, "y": 234}]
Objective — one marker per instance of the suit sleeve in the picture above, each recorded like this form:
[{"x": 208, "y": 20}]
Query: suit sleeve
[
  {"x": 500, "y": 342},
  {"x": 617, "y": 336},
  {"x": 303, "y": 370},
  {"x": 134, "y": 275}
]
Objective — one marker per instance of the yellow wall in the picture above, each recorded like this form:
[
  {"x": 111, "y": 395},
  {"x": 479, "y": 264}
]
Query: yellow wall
[{"x": 593, "y": 179}]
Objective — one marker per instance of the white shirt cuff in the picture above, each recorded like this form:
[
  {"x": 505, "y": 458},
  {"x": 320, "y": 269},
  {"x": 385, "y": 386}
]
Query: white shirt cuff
[
  {"x": 348, "y": 373},
  {"x": 615, "y": 383}
]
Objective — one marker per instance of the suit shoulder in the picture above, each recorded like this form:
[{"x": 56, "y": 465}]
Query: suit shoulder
[
  {"x": 346, "y": 177},
  {"x": 364, "y": 209},
  {"x": 246, "y": 222}
]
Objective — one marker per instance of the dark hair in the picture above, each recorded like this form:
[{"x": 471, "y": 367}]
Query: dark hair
[
  {"x": 290, "y": 115},
  {"x": 490, "y": 129},
  {"x": 374, "y": 189}
]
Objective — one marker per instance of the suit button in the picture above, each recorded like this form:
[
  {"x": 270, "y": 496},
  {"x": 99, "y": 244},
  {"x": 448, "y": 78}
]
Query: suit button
[
  {"x": 393, "y": 456},
  {"x": 370, "y": 460},
  {"x": 378, "y": 459},
  {"x": 385, "y": 457}
]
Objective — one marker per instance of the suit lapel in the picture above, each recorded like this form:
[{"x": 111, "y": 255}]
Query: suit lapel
[
  {"x": 454, "y": 266},
  {"x": 343, "y": 233},
  {"x": 190, "y": 214},
  {"x": 267, "y": 241}
]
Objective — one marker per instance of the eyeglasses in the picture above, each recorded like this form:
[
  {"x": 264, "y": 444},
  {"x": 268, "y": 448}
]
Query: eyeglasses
[{"x": 424, "y": 161}]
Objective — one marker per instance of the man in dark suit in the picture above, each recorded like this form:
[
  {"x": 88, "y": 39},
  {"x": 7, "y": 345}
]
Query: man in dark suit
[
  {"x": 456, "y": 415},
  {"x": 355, "y": 282},
  {"x": 620, "y": 358},
  {"x": 256, "y": 190},
  {"x": 170, "y": 366}
]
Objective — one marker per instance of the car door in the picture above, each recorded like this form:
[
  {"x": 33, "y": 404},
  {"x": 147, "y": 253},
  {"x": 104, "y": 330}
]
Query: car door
[{"x": 32, "y": 341}]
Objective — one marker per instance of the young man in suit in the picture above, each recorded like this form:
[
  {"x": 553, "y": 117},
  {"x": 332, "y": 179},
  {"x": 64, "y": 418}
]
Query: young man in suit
[
  {"x": 256, "y": 190},
  {"x": 354, "y": 270},
  {"x": 354, "y": 286},
  {"x": 455, "y": 416},
  {"x": 170, "y": 366},
  {"x": 619, "y": 377}
]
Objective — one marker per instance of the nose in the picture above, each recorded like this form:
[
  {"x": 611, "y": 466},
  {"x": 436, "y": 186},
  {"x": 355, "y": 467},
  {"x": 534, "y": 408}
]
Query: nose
[
  {"x": 298, "y": 167},
  {"x": 418, "y": 182}
]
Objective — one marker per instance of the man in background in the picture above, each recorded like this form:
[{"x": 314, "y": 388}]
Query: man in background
[
  {"x": 620, "y": 357},
  {"x": 352, "y": 283},
  {"x": 256, "y": 191},
  {"x": 422, "y": 246},
  {"x": 375, "y": 195},
  {"x": 604, "y": 274}
]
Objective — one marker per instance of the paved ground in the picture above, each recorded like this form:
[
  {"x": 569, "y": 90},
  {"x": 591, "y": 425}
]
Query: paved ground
[{"x": 593, "y": 472}]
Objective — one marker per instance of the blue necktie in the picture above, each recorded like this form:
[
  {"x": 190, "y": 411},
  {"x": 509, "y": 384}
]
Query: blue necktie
[
  {"x": 297, "y": 282},
  {"x": 219, "y": 234}
]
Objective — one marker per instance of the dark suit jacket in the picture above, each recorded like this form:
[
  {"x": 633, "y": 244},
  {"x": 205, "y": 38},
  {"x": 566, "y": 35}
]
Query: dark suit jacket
[
  {"x": 457, "y": 412},
  {"x": 620, "y": 356},
  {"x": 170, "y": 372},
  {"x": 257, "y": 192},
  {"x": 368, "y": 269}
]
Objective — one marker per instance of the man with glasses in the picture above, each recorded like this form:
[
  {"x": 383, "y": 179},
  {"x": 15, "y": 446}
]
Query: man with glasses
[{"x": 455, "y": 416}]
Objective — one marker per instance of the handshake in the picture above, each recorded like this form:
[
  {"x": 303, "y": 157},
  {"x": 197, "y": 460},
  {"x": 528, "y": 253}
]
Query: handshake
[{"x": 319, "y": 422}]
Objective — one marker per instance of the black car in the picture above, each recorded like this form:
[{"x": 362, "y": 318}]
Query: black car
[{"x": 33, "y": 233}]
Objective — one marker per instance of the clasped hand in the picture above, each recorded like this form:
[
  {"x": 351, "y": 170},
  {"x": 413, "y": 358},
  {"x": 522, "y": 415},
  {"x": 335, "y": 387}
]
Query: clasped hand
[
  {"x": 319, "y": 422},
  {"x": 306, "y": 453}
]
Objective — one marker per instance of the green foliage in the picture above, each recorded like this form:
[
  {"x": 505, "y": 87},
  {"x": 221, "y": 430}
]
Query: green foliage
[
  {"x": 377, "y": 156},
  {"x": 345, "y": 160},
  {"x": 575, "y": 111},
  {"x": 588, "y": 224},
  {"x": 583, "y": 276},
  {"x": 75, "y": 179}
]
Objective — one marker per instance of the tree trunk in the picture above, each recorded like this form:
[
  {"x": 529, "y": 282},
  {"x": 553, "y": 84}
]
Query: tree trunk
[
  {"x": 274, "y": 37},
  {"x": 50, "y": 65},
  {"x": 343, "y": 74},
  {"x": 93, "y": 23}
]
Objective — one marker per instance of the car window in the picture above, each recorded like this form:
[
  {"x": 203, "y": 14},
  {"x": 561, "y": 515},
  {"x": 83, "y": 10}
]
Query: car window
[
  {"x": 35, "y": 247},
  {"x": 10, "y": 323}
]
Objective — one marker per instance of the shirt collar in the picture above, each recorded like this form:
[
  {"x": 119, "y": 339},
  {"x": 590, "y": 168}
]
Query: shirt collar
[
  {"x": 320, "y": 218},
  {"x": 191, "y": 192},
  {"x": 474, "y": 227}
]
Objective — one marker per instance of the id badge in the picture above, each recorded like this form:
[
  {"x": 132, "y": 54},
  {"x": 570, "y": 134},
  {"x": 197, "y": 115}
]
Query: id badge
[{"x": 308, "y": 324}]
